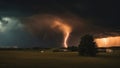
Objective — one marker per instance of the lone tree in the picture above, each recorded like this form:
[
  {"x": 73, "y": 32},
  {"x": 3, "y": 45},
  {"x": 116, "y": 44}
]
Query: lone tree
[{"x": 87, "y": 46}]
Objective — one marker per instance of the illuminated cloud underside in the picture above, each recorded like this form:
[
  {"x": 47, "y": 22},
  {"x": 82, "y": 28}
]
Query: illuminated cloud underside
[{"x": 108, "y": 41}]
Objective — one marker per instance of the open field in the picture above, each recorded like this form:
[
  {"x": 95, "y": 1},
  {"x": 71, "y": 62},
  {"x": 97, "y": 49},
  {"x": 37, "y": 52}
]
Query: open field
[{"x": 36, "y": 59}]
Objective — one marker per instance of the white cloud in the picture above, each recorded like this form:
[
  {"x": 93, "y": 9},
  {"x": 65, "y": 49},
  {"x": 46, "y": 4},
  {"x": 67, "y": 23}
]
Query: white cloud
[{"x": 9, "y": 23}]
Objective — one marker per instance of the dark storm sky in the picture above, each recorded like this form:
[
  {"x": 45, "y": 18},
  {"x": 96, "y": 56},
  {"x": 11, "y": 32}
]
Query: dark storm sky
[{"x": 100, "y": 17}]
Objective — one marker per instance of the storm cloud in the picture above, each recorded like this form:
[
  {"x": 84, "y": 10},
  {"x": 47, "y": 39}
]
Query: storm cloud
[{"x": 99, "y": 18}]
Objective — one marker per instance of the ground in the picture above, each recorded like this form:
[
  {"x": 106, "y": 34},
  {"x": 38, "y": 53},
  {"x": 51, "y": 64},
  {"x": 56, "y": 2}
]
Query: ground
[{"x": 36, "y": 59}]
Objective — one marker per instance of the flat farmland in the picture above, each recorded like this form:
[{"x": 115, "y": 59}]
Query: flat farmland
[{"x": 36, "y": 59}]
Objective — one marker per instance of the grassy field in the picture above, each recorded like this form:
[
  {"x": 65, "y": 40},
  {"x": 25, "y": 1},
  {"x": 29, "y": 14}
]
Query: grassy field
[{"x": 36, "y": 59}]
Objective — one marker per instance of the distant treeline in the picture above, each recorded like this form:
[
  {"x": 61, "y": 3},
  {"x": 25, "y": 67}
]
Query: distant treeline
[
  {"x": 24, "y": 48},
  {"x": 72, "y": 48}
]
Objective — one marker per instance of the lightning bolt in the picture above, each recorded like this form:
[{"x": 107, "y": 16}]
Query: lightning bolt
[{"x": 66, "y": 29}]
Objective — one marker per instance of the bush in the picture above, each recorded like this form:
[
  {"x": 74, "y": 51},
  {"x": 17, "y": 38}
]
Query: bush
[{"x": 87, "y": 46}]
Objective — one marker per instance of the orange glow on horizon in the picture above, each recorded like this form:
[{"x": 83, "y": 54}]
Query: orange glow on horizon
[
  {"x": 108, "y": 41},
  {"x": 66, "y": 29}
]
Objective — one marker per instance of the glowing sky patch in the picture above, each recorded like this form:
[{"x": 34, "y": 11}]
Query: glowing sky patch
[{"x": 108, "y": 41}]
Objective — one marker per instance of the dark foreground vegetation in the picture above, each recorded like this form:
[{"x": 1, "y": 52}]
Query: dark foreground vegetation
[
  {"x": 47, "y": 59},
  {"x": 87, "y": 46}
]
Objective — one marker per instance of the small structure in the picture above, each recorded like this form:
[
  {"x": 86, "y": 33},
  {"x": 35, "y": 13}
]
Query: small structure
[
  {"x": 61, "y": 50},
  {"x": 115, "y": 50},
  {"x": 102, "y": 49}
]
